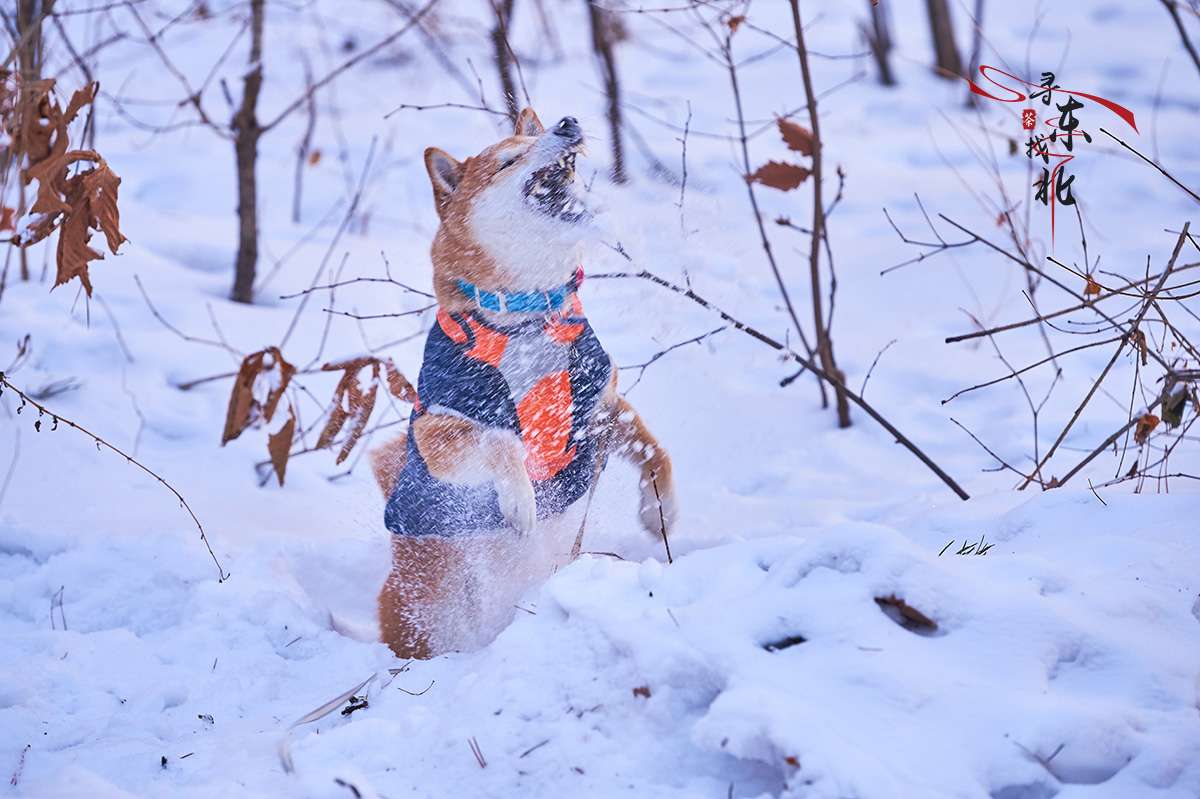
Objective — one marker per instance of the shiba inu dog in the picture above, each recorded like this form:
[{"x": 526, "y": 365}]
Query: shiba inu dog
[{"x": 517, "y": 406}]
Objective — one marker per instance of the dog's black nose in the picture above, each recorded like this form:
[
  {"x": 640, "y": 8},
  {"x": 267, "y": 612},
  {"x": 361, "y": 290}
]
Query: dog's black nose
[{"x": 569, "y": 127}]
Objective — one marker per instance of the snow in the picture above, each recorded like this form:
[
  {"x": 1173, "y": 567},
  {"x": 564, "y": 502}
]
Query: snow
[{"x": 1066, "y": 656}]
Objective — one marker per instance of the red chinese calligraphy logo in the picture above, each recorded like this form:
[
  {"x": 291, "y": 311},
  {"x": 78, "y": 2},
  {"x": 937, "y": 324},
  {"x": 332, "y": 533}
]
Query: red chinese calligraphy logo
[{"x": 1054, "y": 186}]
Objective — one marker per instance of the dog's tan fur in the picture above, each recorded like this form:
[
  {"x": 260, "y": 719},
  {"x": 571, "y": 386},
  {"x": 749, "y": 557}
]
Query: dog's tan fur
[{"x": 446, "y": 594}]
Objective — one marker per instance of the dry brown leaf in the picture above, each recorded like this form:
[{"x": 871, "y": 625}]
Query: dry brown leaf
[
  {"x": 362, "y": 413},
  {"x": 1145, "y": 427},
  {"x": 81, "y": 97},
  {"x": 784, "y": 177},
  {"x": 1092, "y": 287},
  {"x": 906, "y": 615},
  {"x": 642, "y": 690},
  {"x": 72, "y": 205},
  {"x": 1139, "y": 341},
  {"x": 350, "y": 365},
  {"x": 241, "y": 400},
  {"x": 735, "y": 22},
  {"x": 314, "y": 158},
  {"x": 337, "y": 418},
  {"x": 398, "y": 384},
  {"x": 279, "y": 445},
  {"x": 56, "y": 190},
  {"x": 796, "y": 137},
  {"x": 349, "y": 402},
  {"x": 37, "y": 120},
  {"x": 244, "y": 408},
  {"x": 275, "y": 393},
  {"x": 101, "y": 186},
  {"x": 73, "y": 250}
]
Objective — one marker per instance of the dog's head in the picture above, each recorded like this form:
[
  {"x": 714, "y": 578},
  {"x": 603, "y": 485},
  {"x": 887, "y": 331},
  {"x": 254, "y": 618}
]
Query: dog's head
[{"x": 513, "y": 216}]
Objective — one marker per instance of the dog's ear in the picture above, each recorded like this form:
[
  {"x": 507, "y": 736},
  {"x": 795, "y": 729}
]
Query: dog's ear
[
  {"x": 528, "y": 124},
  {"x": 445, "y": 173}
]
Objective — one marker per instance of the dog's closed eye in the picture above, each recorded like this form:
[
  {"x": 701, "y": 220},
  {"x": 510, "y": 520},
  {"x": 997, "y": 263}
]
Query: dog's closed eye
[{"x": 507, "y": 162}]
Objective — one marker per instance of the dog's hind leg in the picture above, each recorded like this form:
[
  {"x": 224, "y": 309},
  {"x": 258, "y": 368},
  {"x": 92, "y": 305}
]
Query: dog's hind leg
[
  {"x": 413, "y": 601},
  {"x": 456, "y": 594}
]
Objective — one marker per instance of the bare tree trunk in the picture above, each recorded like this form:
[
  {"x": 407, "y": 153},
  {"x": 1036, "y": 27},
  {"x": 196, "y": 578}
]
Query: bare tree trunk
[
  {"x": 976, "y": 50},
  {"x": 948, "y": 63},
  {"x": 880, "y": 40},
  {"x": 824, "y": 341},
  {"x": 30, "y": 14},
  {"x": 247, "y": 131},
  {"x": 504, "y": 12},
  {"x": 604, "y": 35}
]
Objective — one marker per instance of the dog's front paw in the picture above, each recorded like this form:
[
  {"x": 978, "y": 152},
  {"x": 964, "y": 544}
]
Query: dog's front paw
[
  {"x": 659, "y": 507},
  {"x": 517, "y": 503}
]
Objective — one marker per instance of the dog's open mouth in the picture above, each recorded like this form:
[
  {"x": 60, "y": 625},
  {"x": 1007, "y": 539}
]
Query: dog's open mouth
[{"x": 552, "y": 188}]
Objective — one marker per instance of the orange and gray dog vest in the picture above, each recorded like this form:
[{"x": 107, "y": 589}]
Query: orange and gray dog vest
[{"x": 541, "y": 379}]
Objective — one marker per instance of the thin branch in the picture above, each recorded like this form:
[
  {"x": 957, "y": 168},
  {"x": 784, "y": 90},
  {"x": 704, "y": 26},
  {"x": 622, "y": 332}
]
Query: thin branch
[
  {"x": 1167, "y": 174},
  {"x": 805, "y": 362},
  {"x": 42, "y": 411},
  {"x": 1187, "y": 42},
  {"x": 1033, "y": 366},
  {"x": 370, "y": 51},
  {"x": 336, "y": 237},
  {"x": 642, "y": 366},
  {"x": 1096, "y": 385},
  {"x": 192, "y": 339}
]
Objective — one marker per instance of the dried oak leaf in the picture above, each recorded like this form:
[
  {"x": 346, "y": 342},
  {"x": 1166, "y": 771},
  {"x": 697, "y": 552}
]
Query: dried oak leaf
[
  {"x": 73, "y": 250},
  {"x": 398, "y": 384},
  {"x": 245, "y": 409},
  {"x": 906, "y": 615},
  {"x": 92, "y": 196},
  {"x": 101, "y": 184},
  {"x": 241, "y": 399},
  {"x": 279, "y": 445},
  {"x": 784, "y": 177},
  {"x": 350, "y": 402},
  {"x": 795, "y": 137},
  {"x": 1145, "y": 426},
  {"x": 1139, "y": 341},
  {"x": 1173, "y": 407},
  {"x": 1092, "y": 287},
  {"x": 36, "y": 119},
  {"x": 735, "y": 22}
]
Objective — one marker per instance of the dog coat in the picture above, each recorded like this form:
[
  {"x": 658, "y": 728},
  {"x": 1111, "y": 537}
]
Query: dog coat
[{"x": 540, "y": 379}]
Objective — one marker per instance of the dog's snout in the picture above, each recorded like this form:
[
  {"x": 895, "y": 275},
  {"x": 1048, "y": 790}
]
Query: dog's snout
[{"x": 569, "y": 127}]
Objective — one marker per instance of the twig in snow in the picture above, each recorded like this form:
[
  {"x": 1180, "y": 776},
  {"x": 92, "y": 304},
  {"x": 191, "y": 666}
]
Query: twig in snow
[
  {"x": 475, "y": 750},
  {"x": 344, "y": 784},
  {"x": 533, "y": 748},
  {"x": 662, "y": 524},
  {"x": 16, "y": 777},
  {"x": 59, "y": 596},
  {"x": 416, "y": 693}
]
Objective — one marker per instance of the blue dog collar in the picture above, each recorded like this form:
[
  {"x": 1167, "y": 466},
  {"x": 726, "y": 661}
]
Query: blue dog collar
[{"x": 504, "y": 302}]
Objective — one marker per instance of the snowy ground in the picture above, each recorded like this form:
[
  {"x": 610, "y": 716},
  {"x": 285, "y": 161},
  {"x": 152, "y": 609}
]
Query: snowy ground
[{"x": 1065, "y": 660}]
